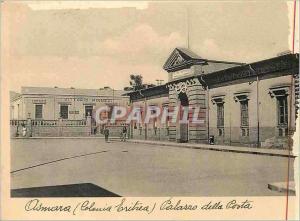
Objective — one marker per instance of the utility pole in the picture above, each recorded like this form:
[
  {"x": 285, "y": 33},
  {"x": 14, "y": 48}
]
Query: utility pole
[
  {"x": 146, "y": 126},
  {"x": 230, "y": 129},
  {"x": 159, "y": 82},
  {"x": 73, "y": 89},
  {"x": 257, "y": 109},
  {"x": 257, "y": 104}
]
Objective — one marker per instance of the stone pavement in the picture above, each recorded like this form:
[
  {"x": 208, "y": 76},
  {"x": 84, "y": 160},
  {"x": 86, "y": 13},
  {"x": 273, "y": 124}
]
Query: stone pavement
[
  {"x": 248, "y": 150},
  {"x": 130, "y": 169}
]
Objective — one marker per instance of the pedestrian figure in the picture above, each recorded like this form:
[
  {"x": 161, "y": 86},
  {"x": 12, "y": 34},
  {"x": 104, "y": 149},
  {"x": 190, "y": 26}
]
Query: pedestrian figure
[
  {"x": 24, "y": 130},
  {"x": 124, "y": 133},
  {"x": 106, "y": 134},
  {"x": 211, "y": 140}
]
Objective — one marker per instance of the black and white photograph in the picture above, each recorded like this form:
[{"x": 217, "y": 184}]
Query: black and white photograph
[{"x": 115, "y": 99}]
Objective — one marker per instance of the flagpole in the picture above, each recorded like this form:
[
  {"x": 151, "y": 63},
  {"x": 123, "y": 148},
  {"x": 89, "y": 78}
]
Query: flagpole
[
  {"x": 188, "y": 27},
  {"x": 294, "y": 24}
]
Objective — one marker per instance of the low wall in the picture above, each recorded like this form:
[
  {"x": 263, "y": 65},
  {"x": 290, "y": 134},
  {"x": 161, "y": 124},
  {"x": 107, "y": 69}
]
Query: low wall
[
  {"x": 268, "y": 137},
  {"x": 44, "y": 128}
]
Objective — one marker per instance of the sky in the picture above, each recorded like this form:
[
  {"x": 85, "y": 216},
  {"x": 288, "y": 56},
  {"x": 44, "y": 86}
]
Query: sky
[{"x": 95, "y": 44}]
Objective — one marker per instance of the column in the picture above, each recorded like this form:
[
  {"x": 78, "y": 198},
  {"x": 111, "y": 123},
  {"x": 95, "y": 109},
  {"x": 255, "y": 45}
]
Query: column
[
  {"x": 198, "y": 133},
  {"x": 172, "y": 105}
]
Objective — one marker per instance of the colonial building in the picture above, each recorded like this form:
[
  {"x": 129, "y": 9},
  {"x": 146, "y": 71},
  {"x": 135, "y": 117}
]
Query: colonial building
[
  {"x": 45, "y": 103},
  {"x": 45, "y": 111},
  {"x": 241, "y": 104}
]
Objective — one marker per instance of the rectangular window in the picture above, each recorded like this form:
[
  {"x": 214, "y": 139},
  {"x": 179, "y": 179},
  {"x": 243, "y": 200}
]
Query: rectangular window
[
  {"x": 220, "y": 115},
  {"x": 38, "y": 111},
  {"x": 221, "y": 131},
  {"x": 244, "y": 113},
  {"x": 282, "y": 110},
  {"x": 64, "y": 111}
]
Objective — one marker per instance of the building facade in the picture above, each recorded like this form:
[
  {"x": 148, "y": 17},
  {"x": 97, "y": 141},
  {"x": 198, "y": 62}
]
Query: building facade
[
  {"x": 43, "y": 103},
  {"x": 240, "y": 104},
  {"x": 56, "y": 112}
]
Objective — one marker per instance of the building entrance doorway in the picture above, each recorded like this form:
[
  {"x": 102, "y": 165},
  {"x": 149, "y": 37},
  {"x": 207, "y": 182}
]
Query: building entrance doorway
[
  {"x": 88, "y": 110},
  {"x": 183, "y": 126}
]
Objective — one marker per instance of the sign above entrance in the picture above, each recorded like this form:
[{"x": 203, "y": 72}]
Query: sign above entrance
[
  {"x": 73, "y": 112},
  {"x": 39, "y": 101},
  {"x": 181, "y": 73}
]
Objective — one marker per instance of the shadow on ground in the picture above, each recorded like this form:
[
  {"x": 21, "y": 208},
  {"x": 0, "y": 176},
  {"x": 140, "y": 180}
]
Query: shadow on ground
[{"x": 72, "y": 190}]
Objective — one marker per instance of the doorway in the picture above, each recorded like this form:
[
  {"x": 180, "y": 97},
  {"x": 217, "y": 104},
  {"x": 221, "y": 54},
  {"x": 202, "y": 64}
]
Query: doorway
[
  {"x": 183, "y": 127},
  {"x": 88, "y": 110}
]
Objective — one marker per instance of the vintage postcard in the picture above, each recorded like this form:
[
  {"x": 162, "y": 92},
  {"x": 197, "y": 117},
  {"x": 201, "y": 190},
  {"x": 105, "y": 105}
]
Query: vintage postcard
[{"x": 149, "y": 110}]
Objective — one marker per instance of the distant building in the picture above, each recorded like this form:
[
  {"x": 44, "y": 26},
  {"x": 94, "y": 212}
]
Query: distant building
[
  {"x": 45, "y": 103},
  {"x": 241, "y": 104}
]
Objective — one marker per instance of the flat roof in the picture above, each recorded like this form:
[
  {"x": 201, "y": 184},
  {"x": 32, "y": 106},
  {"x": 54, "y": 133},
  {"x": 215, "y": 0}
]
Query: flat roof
[{"x": 70, "y": 91}]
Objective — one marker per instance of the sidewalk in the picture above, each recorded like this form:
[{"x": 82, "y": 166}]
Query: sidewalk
[{"x": 247, "y": 150}]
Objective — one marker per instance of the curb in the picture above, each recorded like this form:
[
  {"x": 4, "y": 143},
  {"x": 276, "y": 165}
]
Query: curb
[{"x": 191, "y": 146}]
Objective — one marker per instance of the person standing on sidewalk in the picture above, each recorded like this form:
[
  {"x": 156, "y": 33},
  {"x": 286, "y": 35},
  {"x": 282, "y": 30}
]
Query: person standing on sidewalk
[
  {"x": 24, "y": 130},
  {"x": 106, "y": 134},
  {"x": 124, "y": 133}
]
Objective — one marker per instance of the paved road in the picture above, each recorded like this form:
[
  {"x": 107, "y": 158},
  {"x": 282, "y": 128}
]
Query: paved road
[{"x": 143, "y": 170}]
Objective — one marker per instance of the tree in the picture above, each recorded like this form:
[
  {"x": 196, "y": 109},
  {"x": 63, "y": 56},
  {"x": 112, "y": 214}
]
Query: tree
[{"x": 136, "y": 82}]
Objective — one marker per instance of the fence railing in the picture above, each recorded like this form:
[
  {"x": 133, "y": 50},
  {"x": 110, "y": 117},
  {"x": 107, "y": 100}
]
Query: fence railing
[
  {"x": 73, "y": 123},
  {"x": 51, "y": 128},
  {"x": 44, "y": 122},
  {"x": 17, "y": 122},
  {"x": 50, "y": 123}
]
